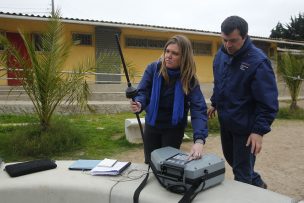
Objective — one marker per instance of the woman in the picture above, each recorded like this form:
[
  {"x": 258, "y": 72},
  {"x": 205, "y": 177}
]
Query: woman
[{"x": 168, "y": 89}]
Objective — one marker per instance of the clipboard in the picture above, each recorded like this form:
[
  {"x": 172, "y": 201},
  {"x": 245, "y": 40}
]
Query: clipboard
[{"x": 84, "y": 165}]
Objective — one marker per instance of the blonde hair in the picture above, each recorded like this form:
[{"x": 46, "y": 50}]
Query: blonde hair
[{"x": 187, "y": 66}]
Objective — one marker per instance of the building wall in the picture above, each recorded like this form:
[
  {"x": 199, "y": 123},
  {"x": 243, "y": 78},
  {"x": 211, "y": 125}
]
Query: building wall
[
  {"x": 139, "y": 57},
  {"x": 77, "y": 53}
]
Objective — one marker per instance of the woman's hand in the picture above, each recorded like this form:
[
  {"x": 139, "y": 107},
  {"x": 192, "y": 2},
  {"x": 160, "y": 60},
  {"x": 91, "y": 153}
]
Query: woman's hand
[
  {"x": 211, "y": 112},
  {"x": 135, "y": 106},
  {"x": 196, "y": 151}
]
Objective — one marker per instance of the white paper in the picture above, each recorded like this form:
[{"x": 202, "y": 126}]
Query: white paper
[
  {"x": 114, "y": 170},
  {"x": 107, "y": 162}
]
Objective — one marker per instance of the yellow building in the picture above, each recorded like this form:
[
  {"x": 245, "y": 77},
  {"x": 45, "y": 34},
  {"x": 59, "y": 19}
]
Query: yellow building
[{"x": 141, "y": 44}]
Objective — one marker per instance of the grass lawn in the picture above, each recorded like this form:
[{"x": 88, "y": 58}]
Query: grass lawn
[{"x": 101, "y": 135}]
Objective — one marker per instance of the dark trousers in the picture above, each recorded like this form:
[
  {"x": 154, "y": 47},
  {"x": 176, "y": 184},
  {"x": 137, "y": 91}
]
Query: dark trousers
[
  {"x": 155, "y": 138},
  {"x": 239, "y": 157}
]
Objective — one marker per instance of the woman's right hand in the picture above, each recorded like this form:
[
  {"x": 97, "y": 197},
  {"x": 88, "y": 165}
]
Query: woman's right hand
[
  {"x": 135, "y": 106},
  {"x": 211, "y": 112}
]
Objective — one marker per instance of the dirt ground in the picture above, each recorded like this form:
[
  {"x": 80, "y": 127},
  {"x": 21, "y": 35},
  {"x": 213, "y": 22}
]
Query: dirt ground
[{"x": 281, "y": 162}]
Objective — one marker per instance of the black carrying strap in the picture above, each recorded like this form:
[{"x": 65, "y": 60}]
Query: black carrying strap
[
  {"x": 191, "y": 193},
  {"x": 140, "y": 187}
]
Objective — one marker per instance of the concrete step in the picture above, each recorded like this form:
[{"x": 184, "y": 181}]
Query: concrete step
[
  {"x": 100, "y": 92},
  {"x": 116, "y": 92},
  {"x": 105, "y": 107},
  {"x": 95, "y": 96},
  {"x": 101, "y": 107},
  {"x": 108, "y": 96}
]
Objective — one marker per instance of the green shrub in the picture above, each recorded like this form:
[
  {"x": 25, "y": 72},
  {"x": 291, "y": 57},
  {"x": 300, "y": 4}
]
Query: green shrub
[
  {"x": 287, "y": 113},
  {"x": 31, "y": 141},
  {"x": 213, "y": 125},
  {"x": 20, "y": 118}
]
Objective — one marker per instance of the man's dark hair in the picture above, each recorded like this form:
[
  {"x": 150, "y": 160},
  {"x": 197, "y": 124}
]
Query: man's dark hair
[{"x": 234, "y": 22}]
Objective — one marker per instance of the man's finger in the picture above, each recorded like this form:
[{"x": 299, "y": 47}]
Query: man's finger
[
  {"x": 248, "y": 142},
  {"x": 258, "y": 149},
  {"x": 253, "y": 147}
]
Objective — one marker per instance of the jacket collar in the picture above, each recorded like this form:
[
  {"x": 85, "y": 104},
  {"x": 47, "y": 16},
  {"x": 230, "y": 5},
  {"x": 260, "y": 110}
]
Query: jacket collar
[{"x": 247, "y": 44}]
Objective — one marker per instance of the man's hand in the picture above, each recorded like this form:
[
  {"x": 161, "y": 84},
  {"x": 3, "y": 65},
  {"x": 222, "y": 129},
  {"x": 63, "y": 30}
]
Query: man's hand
[
  {"x": 196, "y": 151},
  {"x": 135, "y": 106},
  {"x": 255, "y": 140},
  {"x": 211, "y": 112}
]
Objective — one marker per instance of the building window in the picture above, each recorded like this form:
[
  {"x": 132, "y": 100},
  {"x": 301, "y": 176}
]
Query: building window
[
  {"x": 82, "y": 39},
  {"x": 145, "y": 43},
  {"x": 1, "y": 45},
  {"x": 37, "y": 40},
  {"x": 202, "y": 48},
  {"x": 199, "y": 48}
]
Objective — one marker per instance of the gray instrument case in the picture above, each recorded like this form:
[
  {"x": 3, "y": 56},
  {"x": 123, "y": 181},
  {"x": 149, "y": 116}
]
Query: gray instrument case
[{"x": 176, "y": 173}]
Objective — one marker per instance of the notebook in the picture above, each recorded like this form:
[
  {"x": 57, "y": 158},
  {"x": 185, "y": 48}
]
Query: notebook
[
  {"x": 84, "y": 164},
  {"x": 116, "y": 169}
]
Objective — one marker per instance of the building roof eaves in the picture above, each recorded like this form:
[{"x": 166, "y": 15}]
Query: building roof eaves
[{"x": 138, "y": 26}]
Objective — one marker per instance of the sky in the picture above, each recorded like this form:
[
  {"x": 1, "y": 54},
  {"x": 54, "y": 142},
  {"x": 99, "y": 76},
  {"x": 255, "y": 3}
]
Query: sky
[{"x": 207, "y": 15}]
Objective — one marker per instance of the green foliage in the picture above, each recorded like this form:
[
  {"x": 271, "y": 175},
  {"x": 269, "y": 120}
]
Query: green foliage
[
  {"x": 213, "y": 125},
  {"x": 286, "y": 113},
  {"x": 132, "y": 71},
  {"x": 293, "y": 30},
  {"x": 29, "y": 141},
  {"x": 213, "y": 128},
  {"x": 22, "y": 118},
  {"x": 69, "y": 137},
  {"x": 91, "y": 136},
  {"x": 291, "y": 68},
  {"x": 42, "y": 75}
]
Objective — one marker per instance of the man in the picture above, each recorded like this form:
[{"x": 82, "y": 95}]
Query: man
[{"x": 245, "y": 97}]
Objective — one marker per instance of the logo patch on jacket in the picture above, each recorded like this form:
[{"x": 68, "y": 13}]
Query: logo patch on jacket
[{"x": 244, "y": 66}]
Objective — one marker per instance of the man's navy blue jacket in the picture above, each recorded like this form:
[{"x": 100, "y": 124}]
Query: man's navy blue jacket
[
  {"x": 245, "y": 92},
  {"x": 194, "y": 100}
]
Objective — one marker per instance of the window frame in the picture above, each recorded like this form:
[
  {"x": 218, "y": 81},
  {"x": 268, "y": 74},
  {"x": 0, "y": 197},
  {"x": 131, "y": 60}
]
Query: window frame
[
  {"x": 75, "y": 41},
  {"x": 196, "y": 43},
  {"x": 147, "y": 42}
]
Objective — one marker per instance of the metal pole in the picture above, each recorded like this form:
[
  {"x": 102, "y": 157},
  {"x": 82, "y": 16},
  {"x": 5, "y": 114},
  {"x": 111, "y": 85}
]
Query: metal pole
[
  {"x": 53, "y": 9},
  {"x": 130, "y": 92}
]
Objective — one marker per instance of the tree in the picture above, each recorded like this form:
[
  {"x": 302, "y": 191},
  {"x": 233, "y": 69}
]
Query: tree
[
  {"x": 294, "y": 30},
  {"x": 42, "y": 75},
  {"x": 279, "y": 31},
  {"x": 291, "y": 67}
]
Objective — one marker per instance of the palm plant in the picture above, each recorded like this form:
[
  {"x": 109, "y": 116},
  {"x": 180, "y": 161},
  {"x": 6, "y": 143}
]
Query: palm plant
[
  {"x": 291, "y": 68},
  {"x": 42, "y": 75},
  {"x": 132, "y": 71}
]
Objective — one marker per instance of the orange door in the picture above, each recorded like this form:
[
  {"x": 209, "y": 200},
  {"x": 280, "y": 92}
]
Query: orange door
[{"x": 17, "y": 41}]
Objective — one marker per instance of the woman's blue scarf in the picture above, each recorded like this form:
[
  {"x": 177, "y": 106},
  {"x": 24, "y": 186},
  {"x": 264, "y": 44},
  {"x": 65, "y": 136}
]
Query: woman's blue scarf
[{"x": 178, "y": 106}]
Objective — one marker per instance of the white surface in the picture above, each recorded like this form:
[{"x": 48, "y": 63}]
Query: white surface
[
  {"x": 132, "y": 130},
  {"x": 61, "y": 185}
]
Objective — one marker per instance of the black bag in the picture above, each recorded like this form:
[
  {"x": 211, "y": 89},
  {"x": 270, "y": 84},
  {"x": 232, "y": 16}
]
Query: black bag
[{"x": 28, "y": 167}]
